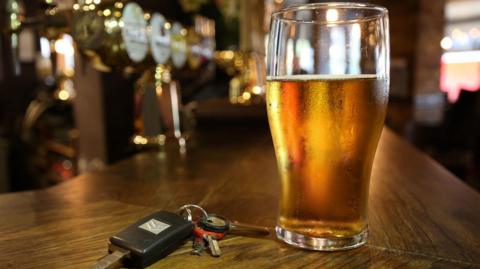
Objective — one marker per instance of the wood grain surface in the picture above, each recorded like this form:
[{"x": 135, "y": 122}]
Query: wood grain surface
[{"x": 421, "y": 216}]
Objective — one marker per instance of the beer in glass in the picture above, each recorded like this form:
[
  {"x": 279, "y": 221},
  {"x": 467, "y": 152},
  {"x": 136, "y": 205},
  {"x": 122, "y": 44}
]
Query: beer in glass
[{"x": 327, "y": 93}]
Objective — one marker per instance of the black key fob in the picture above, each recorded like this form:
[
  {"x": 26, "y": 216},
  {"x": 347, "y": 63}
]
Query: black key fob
[{"x": 152, "y": 238}]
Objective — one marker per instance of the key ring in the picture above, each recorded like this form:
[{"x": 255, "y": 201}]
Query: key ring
[
  {"x": 187, "y": 207},
  {"x": 187, "y": 210}
]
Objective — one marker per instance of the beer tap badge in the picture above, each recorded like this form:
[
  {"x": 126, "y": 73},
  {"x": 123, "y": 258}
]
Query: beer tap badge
[
  {"x": 160, "y": 38},
  {"x": 179, "y": 45},
  {"x": 134, "y": 32}
]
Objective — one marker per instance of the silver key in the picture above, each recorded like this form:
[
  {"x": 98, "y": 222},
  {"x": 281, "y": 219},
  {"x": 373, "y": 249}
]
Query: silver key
[{"x": 213, "y": 245}]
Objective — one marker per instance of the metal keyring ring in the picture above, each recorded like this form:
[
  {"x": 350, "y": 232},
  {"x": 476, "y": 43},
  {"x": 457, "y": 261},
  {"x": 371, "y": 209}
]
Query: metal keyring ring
[{"x": 189, "y": 212}]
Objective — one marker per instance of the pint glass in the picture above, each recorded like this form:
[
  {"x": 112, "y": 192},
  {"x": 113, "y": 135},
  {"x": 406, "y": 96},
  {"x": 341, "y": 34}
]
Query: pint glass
[{"x": 327, "y": 93}]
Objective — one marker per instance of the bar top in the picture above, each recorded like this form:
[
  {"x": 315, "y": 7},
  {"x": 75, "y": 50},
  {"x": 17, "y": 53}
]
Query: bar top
[{"x": 421, "y": 216}]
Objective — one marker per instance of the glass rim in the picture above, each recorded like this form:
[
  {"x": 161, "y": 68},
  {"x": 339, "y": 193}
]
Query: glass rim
[{"x": 381, "y": 11}]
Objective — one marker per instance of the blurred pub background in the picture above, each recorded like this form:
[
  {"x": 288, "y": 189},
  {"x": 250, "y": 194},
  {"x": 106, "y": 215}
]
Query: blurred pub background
[{"x": 84, "y": 84}]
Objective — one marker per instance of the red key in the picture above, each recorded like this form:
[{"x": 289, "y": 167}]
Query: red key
[
  {"x": 210, "y": 238},
  {"x": 199, "y": 232}
]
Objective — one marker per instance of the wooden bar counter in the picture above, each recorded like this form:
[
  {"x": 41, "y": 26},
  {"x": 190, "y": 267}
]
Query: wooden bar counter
[{"x": 421, "y": 216}]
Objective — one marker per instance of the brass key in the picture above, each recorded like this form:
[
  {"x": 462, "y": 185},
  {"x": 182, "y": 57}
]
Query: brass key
[
  {"x": 220, "y": 224},
  {"x": 238, "y": 228}
]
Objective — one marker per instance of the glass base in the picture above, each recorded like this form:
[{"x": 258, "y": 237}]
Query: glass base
[{"x": 321, "y": 243}]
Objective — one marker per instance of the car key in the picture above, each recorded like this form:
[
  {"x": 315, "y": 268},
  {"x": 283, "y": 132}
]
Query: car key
[
  {"x": 147, "y": 240},
  {"x": 220, "y": 224}
]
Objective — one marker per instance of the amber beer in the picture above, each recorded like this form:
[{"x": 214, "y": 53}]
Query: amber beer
[{"x": 325, "y": 131}]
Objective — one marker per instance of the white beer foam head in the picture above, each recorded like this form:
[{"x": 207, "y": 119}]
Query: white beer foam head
[{"x": 324, "y": 77}]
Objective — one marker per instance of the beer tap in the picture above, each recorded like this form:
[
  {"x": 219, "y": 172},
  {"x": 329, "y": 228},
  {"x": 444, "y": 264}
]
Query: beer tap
[
  {"x": 158, "y": 105},
  {"x": 120, "y": 35},
  {"x": 172, "y": 47},
  {"x": 111, "y": 35},
  {"x": 153, "y": 107},
  {"x": 170, "y": 100}
]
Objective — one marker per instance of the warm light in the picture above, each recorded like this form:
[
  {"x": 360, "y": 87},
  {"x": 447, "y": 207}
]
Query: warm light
[
  {"x": 257, "y": 90},
  {"x": 118, "y": 4},
  {"x": 182, "y": 142},
  {"x": 332, "y": 15},
  {"x": 97, "y": 1},
  {"x": 139, "y": 140},
  {"x": 228, "y": 54},
  {"x": 183, "y": 31},
  {"x": 246, "y": 96},
  {"x": 88, "y": 2},
  {"x": 91, "y": 7},
  {"x": 158, "y": 90},
  {"x": 62, "y": 46},
  {"x": 107, "y": 12},
  {"x": 446, "y": 43},
  {"x": 110, "y": 24},
  {"x": 168, "y": 25},
  {"x": 146, "y": 16},
  {"x": 63, "y": 95},
  {"x": 76, "y": 6}
]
